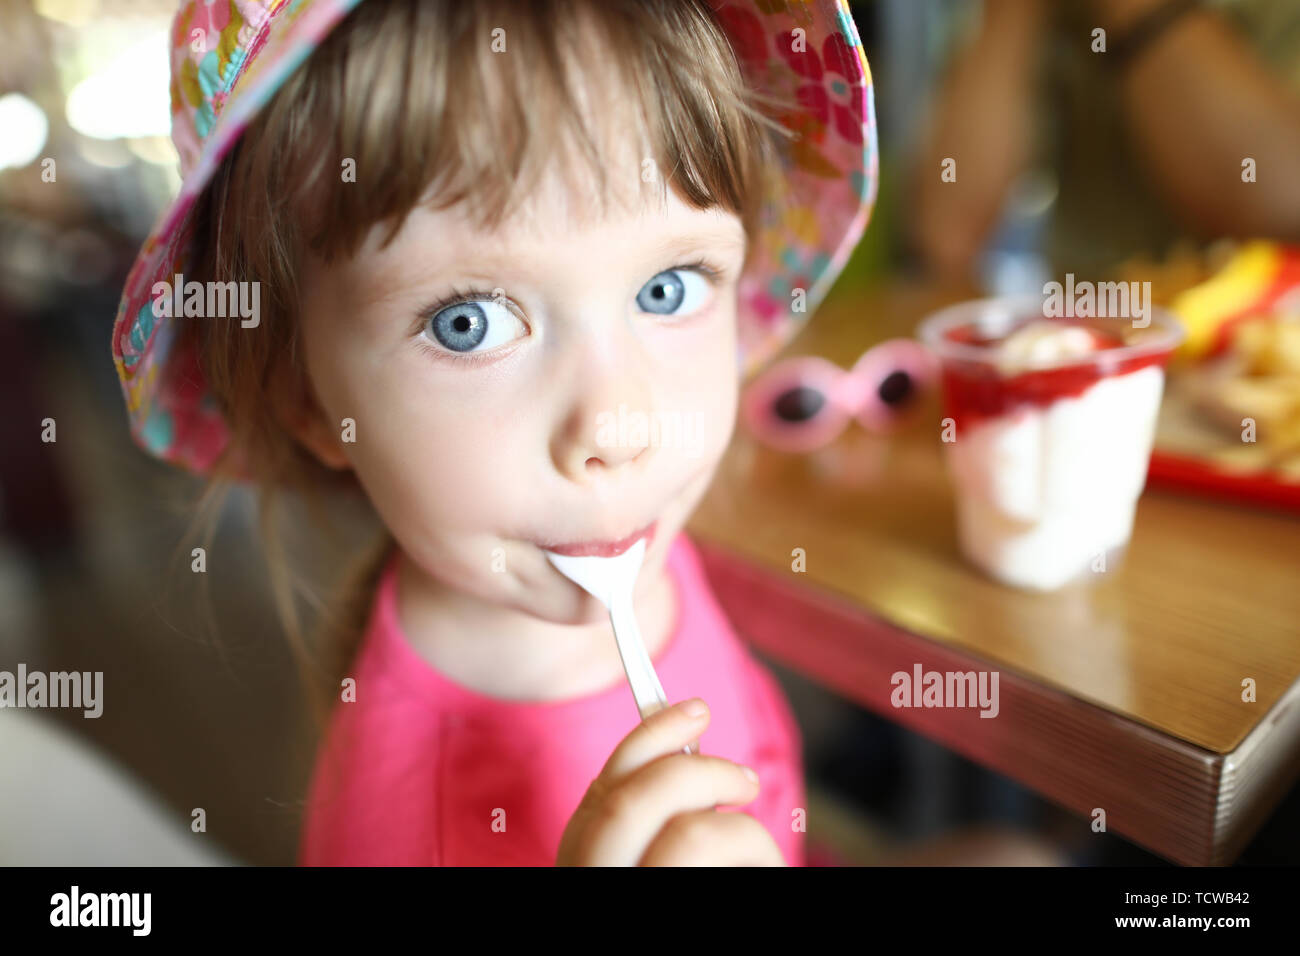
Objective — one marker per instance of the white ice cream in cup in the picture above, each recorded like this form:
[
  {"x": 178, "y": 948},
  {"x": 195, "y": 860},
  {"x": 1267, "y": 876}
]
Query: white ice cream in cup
[{"x": 1049, "y": 425}]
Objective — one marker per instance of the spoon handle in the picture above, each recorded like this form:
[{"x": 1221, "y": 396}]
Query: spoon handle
[{"x": 641, "y": 676}]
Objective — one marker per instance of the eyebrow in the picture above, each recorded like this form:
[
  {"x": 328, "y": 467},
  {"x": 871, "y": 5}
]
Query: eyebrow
[
  {"x": 696, "y": 240},
  {"x": 675, "y": 245}
]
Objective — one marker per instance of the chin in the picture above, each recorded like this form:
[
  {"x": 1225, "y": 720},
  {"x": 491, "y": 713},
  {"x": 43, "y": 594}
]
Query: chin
[
  {"x": 581, "y": 611},
  {"x": 589, "y": 612}
]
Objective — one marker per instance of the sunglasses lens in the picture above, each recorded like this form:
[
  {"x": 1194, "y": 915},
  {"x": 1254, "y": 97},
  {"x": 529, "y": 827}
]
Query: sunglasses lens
[
  {"x": 896, "y": 389},
  {"x": 798, "y": 404}
]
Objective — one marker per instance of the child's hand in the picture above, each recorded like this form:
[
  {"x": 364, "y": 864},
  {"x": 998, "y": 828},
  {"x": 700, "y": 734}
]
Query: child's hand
[{"x": 653, "y": 805}]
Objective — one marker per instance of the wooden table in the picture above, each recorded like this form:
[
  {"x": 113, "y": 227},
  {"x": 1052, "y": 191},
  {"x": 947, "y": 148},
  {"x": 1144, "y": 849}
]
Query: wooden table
[{"x": 1122, "y": 694}]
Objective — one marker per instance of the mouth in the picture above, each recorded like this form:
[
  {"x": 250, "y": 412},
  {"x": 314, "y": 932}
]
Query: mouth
[{"x": 603, "y": 549}]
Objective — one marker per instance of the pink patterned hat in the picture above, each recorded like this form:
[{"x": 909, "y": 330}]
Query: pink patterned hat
[{"x": 811, "y": 222}]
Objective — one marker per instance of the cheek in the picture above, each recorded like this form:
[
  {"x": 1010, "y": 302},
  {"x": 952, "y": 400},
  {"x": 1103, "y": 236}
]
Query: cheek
[
  {"x": 705, "y": 407},
  {"x": 700, "y": 385},
  {"x": 436, "y": 467},
  {"x": 430, "y": 462}
]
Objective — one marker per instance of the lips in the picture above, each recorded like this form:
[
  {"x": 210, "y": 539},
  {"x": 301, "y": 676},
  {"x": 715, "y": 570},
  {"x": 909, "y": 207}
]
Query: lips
[{"x": 603, "y": 549}]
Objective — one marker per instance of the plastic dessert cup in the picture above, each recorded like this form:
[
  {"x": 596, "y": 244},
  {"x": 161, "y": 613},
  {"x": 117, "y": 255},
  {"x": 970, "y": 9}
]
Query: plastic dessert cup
[{"x": 1048, "y": 428}]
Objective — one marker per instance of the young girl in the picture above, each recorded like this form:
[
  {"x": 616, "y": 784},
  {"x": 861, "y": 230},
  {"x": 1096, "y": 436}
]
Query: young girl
[{"x": 496, "y": 249}]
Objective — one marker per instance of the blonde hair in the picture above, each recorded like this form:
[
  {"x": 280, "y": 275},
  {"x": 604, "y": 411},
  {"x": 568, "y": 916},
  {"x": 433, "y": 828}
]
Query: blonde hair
[{"x": 414, "y": 93}]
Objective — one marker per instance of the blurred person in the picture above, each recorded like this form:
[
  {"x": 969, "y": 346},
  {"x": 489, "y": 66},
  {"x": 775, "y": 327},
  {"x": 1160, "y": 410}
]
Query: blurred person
[{"x": 1147, "y": 139}]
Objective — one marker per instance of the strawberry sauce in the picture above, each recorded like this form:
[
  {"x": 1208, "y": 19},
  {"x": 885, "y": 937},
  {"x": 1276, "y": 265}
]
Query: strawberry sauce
[{"x": 974, "y": 391}]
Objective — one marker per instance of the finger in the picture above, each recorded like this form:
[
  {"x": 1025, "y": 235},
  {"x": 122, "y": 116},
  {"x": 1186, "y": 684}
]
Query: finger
[
  {"x": 660, "y": 734},
  {"x": 710, "y": 838},
  {"x": 632, "y": 813}
]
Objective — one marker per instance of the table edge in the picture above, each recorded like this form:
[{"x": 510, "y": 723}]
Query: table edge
[{"x": 1170, "y": 797}]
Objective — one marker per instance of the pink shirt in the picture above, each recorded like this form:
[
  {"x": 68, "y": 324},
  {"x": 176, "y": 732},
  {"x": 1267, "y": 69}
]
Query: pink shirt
[{"x": 433, "y": 773}]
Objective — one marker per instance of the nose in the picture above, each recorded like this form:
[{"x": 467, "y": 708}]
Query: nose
[{"x": 606, "y": 429}]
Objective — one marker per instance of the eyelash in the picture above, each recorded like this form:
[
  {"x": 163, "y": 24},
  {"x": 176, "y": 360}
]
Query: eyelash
[{"x": 701, "y": 265}]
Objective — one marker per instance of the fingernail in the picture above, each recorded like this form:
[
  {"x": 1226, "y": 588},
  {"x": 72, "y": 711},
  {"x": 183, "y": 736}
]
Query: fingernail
[
  {"x": 753, "y": 777},
  {"x": 694, "y": 708}
]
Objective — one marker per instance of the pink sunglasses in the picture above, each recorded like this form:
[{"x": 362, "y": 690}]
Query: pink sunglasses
[{"x": 803, "y": 403}]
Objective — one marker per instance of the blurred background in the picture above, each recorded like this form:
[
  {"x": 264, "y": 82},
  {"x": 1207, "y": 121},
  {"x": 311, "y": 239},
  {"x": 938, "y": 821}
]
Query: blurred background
[{"x": 1062, "y": 167}]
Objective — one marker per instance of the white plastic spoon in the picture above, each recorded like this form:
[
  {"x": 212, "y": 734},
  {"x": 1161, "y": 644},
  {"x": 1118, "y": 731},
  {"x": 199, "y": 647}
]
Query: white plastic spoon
[{"x": 610, "y": 581}]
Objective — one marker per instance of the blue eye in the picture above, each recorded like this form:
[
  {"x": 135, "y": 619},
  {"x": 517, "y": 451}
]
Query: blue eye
[
  {"x": 474, "y": 325},
  {"x": 672, "y": 292}
]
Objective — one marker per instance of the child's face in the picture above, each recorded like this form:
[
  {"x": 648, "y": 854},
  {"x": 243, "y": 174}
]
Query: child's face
[{"x": 595, "y": 395}]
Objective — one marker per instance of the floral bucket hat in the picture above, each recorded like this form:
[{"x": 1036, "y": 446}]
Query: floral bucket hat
[{"x": 804, "y": 52}]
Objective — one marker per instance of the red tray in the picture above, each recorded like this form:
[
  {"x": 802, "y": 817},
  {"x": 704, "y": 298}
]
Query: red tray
[{"x": 1185, "y": 473}]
